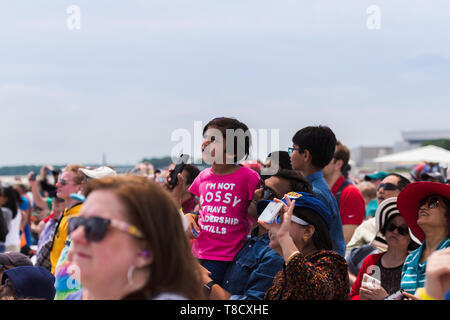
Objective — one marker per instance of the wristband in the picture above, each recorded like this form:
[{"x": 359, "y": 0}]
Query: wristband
[
  {"x": 192, "y": 215},
  {"x": 209, "y": 285},
  {"x": 292, "y": 256}
]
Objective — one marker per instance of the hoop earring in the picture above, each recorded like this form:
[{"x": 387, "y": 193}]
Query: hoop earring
[{"x": 130, "y": 275}]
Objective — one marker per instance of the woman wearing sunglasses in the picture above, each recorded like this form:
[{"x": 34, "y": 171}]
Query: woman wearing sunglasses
[
  {"x": 386, "y": 266},
  {"x": 128, "y": 243},
  {"x": 425, "y": 206}
]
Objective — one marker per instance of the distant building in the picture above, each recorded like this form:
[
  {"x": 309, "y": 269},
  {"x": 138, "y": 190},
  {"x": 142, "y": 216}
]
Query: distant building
[
  {"x": 363, "y": 156},
  {"x": 417, "y": 137}
]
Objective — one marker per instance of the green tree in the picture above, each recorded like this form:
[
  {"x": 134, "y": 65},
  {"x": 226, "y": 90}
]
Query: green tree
[{"x": 443, "y": 143}]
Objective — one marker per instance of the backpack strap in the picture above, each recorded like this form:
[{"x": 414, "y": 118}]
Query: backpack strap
[{"x": 339, "y": 193}]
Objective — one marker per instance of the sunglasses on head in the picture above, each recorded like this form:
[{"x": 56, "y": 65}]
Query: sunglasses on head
[
  {"x": 95, "y": 228},
  {"x": 430, "y": 202},
  {"x": 403, "y": 230},
  {"x": 388, "y": 186}
]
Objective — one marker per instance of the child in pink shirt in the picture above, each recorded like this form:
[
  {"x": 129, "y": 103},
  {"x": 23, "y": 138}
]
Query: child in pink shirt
[{"x": 225, "y": 191}]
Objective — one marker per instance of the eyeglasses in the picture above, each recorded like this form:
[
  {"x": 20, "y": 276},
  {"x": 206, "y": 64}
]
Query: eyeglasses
[
  {"x": 430, "y": 202},
  {"x": 291, "y": 150},
  {"x": 388, "y": 186},
  {"x": 403, "y": 230},
  {"x": 95, "y": 228}
]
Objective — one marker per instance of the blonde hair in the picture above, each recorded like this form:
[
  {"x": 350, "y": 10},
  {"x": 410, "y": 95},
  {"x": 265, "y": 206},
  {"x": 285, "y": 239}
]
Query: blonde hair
[
  {"x": 368, "y": 190},
  {"x": 75, "y": 168}
]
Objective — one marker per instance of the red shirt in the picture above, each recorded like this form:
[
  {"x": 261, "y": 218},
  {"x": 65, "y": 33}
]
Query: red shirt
[
  {"x": 369, "y": 262},
  {"x": 352, "y": 206}
]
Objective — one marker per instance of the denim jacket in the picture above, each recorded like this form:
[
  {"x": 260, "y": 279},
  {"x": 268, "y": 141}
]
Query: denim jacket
[{"x": 251, "y": 273}]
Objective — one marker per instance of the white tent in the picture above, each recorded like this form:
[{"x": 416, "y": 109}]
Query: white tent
[{"x": 416, "y": 156}]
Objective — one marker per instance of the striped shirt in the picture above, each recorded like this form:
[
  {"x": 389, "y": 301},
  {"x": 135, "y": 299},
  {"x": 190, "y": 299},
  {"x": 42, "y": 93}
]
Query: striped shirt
[{"x": 413, "y": 272}]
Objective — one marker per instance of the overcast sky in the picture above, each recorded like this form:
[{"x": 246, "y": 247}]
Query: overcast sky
[{"x": 136, "y": 71}]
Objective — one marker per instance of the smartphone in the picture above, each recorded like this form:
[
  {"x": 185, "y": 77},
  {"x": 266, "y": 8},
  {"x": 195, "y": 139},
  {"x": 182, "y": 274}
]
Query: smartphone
[
  {"x": 33, "y": 176},
  {"x": 374, "y": 282},
  {"x": 398, "y": 295},
  {"x": 178, "y": 169},
  {"x": 271, "y": 212}
]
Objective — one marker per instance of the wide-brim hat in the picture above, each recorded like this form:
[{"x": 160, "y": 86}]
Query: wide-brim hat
[
  {"x": 409, "y": 198},
  {"x": 385, "y": 211}
]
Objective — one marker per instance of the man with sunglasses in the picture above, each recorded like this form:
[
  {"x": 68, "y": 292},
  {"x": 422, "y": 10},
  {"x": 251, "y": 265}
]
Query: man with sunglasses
[
  {"x": 66, "y": 283},
  {"x": 252, "y": 271},
  {"x": 388, "y": 188}
]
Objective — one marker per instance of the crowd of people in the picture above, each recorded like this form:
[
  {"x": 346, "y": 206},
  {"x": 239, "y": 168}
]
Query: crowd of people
[{"x": 297, "y": 226}]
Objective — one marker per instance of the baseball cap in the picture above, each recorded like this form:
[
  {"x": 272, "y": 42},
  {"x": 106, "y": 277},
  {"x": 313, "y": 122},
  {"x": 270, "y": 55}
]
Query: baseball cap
[
  {"x": 31, "y": 281},
  {"x": 379, "y": 175},
  {"x": 98, "y": 173},
  {"x": 15, "y": 259}
]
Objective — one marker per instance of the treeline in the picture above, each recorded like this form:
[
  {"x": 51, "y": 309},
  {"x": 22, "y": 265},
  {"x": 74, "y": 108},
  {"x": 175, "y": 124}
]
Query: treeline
[
  {"x": 158, "y": 163},
  {"x": 21, "y": 170},
  {"x": 443, "y": 143}
]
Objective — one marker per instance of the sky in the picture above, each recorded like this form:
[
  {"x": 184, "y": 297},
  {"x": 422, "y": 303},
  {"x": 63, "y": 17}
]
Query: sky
[{"x": 137, "y": 73}]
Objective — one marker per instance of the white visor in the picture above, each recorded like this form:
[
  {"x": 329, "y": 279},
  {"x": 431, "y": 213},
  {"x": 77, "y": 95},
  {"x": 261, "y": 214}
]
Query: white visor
[{"x": 299, "y": 221}]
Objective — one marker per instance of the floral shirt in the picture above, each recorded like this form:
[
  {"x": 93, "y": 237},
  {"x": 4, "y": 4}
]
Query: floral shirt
[{"x": 322, "y": 275}]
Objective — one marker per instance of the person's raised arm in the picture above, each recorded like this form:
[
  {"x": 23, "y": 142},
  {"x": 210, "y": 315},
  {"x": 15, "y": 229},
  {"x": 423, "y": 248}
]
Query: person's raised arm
[{"x": 36, "y": 191}]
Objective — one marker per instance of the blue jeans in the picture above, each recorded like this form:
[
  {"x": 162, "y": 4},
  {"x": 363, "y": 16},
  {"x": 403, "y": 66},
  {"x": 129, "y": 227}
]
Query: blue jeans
[
  {"x": 2, "y": 248},
  {"x": 217, "y": 269}
]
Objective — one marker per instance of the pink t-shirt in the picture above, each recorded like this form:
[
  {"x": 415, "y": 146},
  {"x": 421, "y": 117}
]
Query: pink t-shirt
[{"x": 223, "y": 217}]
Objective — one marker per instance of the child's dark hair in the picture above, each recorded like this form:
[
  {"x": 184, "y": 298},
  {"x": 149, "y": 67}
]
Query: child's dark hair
[
  {"x": 297, "y": 182},
  {"x": 14, "y": 200},
  {"x": 320, "y": 141},
  {"x": 241, "y": 147}
]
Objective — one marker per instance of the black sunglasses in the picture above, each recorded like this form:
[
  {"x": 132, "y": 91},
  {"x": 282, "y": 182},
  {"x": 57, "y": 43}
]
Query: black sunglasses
[
  {"x": 430, "y": 202},
  {"x": 62, "y": 181},
  {"x": 95, "y": 228},
  {"x": 403, "y": 230},
  {"x": 388, "y": 186},
  {"x": 268, "y": 193}
]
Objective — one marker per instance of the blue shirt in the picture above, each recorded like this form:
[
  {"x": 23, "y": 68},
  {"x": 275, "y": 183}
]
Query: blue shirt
[
  {"x": 251, "y": 273},
  {"x": 320, "y": 187}
]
